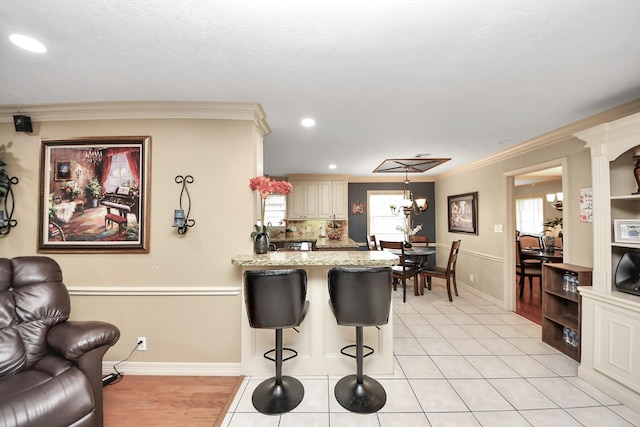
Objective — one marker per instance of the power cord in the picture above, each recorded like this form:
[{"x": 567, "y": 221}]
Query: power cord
[{"x": 117, "y": 377}]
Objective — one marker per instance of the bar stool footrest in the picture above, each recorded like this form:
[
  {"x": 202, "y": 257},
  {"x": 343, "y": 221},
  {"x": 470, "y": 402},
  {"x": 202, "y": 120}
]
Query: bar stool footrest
[
  {"x": 273, "y": 350},
  {"x": 343, "y": 350}
]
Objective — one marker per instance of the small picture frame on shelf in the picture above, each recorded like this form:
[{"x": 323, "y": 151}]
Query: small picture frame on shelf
[{"x": 626, "y": 230}]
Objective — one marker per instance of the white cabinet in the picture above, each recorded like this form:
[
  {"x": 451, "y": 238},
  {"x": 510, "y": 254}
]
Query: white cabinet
[
  {"x": 340, "y": 199},
  {"x": 325, "y": 209},
  {"x": 318, "y": 199},
  {"x": 610, "y": 318}
]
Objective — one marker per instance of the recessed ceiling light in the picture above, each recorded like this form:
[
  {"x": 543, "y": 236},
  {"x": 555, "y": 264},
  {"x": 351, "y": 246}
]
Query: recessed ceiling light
[
  {"x": 332, "y": 166},
  {"x": 27, "y": 43},
  {"x": 308, "y": 122}
]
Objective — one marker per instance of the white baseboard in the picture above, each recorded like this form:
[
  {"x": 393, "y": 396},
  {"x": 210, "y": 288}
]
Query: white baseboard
[{"x": 175, "y": 369}]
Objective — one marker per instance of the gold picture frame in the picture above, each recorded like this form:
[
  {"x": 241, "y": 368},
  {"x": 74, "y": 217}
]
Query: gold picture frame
[{"x": 103, "y": 205}]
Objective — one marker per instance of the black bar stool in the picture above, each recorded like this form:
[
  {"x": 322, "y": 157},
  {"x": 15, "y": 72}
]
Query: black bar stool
[
  {"x": 276, "y": 299},
  {"x": 360, "y": 297}
]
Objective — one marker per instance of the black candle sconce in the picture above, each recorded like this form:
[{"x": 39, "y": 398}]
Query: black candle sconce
[
  {"x": 7, "y": 223},
  {"x": 181, "y": 221}
]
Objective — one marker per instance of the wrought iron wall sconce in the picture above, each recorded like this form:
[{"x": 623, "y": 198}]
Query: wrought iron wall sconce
[
  {"x": 181, "y": 221},
  {"x": 6, "y": 224}
]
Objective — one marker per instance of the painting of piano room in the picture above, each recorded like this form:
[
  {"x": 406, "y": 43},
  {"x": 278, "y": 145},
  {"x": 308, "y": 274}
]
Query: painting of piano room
[{"x": 94, "y": 195}]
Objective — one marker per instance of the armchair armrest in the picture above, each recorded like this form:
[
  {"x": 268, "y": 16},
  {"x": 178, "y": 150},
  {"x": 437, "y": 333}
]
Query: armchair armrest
[{"x": 73, "y": 339}]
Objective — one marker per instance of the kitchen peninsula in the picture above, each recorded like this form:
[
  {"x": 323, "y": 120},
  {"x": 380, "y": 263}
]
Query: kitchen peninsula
[{"x": 320, "y": 338}]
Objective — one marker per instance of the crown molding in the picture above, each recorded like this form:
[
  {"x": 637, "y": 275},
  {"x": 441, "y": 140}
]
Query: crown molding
[
  {"x": 140, "y": 110},
  {"x": 549, "y": 138}
]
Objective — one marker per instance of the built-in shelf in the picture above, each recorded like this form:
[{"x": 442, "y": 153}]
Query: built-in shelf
[{"x": 561, "y": 309}]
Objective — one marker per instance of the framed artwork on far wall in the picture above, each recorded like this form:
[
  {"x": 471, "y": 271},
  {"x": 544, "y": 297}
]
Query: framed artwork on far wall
[
  {"x": 462, "y": 212},
  {"x": 626, "y": 230},
  {"x": 94, "y": 195}
]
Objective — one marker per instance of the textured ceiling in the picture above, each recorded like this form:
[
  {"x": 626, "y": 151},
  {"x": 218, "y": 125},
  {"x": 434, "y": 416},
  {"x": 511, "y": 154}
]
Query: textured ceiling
[{"x": 456, "y": 79}]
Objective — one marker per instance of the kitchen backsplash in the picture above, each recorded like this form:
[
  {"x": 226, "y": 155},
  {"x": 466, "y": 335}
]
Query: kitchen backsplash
[{"x": 313, "y": 229}]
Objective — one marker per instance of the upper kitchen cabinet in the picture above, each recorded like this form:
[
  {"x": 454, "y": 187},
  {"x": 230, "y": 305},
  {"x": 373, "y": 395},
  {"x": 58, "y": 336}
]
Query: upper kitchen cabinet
[{"x": 318, "y": 197}]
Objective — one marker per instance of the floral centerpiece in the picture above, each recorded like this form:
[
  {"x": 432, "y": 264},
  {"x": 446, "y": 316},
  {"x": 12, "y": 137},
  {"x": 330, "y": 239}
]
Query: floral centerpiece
[
  {"x": 408, "y": 231},
  {"x": 70, "y": 190},
  {"x": 333, "y": 227},
  {"x": 266, "y": 186},
  {"x": 552, "y": 230},
  {"x": 553, "y": 227}
]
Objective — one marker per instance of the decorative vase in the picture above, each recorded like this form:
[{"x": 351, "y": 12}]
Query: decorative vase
[
  {"x": 407, "y": 244},
  {"x": 261, "y": 243},
  {"x": 549, "y": 243}
]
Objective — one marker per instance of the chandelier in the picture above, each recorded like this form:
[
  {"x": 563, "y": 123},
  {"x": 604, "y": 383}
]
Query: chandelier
[
  {"x": 409, "y": 204},
  {"x": 93, "y": 156},
  {"x": 555, "y": 200}
]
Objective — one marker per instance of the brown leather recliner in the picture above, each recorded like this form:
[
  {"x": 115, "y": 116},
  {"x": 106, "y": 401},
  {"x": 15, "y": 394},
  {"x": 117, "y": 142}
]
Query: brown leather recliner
[{"x": 50, "y": 368}]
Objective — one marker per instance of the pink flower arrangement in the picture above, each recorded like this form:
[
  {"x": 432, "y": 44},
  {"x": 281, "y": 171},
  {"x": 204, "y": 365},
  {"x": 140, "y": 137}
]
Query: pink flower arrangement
[{"x": 266, "y": 186}]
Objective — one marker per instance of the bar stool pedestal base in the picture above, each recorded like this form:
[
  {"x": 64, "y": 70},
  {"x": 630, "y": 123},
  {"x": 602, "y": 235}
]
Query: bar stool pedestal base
[
  {"x": 364, "y": 398},
  {"x": 270, "y": 398}
]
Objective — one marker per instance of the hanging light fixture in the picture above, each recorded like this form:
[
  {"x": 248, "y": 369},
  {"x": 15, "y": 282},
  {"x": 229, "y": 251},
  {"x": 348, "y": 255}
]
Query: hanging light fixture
[
  {"x": 93, "y": 156},
  {"x": 555, "y": 200},
  {"x": 409, "y": 204}
]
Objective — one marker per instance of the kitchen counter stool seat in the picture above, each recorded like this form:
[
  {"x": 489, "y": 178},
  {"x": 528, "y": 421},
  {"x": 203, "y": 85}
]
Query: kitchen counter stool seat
[
  {"x": 276, "y": 299},
  {"x": 360, "y": 297}
]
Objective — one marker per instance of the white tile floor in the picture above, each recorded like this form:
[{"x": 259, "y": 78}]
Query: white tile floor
[{"x": 466, "y": 363}]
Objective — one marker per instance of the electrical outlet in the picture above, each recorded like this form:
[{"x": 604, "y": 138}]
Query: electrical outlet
[
  {"x": 471, "y": 277},
  {"x": 142, "y": 343}
]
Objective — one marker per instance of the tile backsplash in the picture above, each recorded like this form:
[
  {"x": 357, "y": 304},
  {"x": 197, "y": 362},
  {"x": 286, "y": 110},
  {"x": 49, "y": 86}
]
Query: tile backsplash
[{"x": 311, "y": 229}]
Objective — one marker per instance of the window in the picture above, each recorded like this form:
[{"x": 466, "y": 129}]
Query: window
[
  {"x": 381, "y": 222},
  {"x": 275, "y": 210},
  {"x": 119, "y": 174},
  {"x": 529, "y": 213}
]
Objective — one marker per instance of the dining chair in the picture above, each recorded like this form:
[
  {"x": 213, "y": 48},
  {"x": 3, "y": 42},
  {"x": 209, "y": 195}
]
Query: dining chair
[
  {"x": 448, "y": 273},
  {"x": 526, "y": 269},
  {"x": 420, "y": 240},
  {"x": 402, "y": 271},
  {"x": 372, "y": 243},
  {"x": 530, "y": 241}
]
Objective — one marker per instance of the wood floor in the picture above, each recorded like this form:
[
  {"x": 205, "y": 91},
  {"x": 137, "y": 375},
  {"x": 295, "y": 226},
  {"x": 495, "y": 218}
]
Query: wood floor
[
  {"x": 530, "y": 305},
  {"x": 168, "y": 401}
]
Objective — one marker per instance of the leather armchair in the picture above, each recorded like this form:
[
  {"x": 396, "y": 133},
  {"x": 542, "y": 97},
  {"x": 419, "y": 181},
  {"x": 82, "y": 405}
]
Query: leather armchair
[{"x": 50, "y": 368}]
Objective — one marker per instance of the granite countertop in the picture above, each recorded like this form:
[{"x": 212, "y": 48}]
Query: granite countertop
[
  {"x": 328, "y": 258},
  {"x": 344, "y": 242}
]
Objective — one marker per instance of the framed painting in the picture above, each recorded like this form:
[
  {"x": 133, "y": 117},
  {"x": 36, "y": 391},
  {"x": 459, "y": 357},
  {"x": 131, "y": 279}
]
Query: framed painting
[
  {"x": 62, "y": 171},
  {"x": 357, "y": 208},
  {"x": 626, "y": 230},
  {"x": 462, "y": 212},
  {"x": 94, "y": 195}
]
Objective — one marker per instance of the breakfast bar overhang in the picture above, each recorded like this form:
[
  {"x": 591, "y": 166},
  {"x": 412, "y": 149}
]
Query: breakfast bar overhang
[{"x": 319, "y": 339}]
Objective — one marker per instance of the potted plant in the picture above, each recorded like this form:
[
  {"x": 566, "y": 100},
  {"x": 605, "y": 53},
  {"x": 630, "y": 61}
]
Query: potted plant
[
  {"x": 265, "y": 186},
  {"x": 94, "y": 191}
]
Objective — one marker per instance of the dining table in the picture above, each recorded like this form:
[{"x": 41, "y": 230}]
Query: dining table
[
  {"x": 417, "y": 253},
  {"x": 541, "y": 254}
]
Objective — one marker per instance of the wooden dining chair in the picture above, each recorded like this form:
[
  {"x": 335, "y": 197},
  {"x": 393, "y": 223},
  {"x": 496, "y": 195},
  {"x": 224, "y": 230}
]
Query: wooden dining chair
[
  {"x": 372, "y": 243},
  {"x": 420, "y": 240},
  {"x": 402, "y": 271},
  {"x": 531, "y": 241},
  {"x": 526, "y": 269},
  {"x": 448, "y": 273}
]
